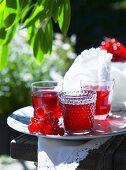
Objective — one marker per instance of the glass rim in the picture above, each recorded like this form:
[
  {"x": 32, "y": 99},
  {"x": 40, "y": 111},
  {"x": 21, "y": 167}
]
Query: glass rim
[
  {"x": 110, "y": 82},
  {"x": 78, "y": 92},
  {"x": 78, "y": 98},
  {"x": 95, "y": 81},
  {"x": 39, "y": 84}
]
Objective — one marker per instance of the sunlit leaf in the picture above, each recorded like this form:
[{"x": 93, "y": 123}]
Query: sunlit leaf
[
  {"x": 2, "y": 19},
  {"x": 46, "y": 37},
  {"x": 10, "y": 16},
  {"x": 2, "y": 5},
  {"x": 38, "y": 53},
  {"x": 42, "y": 2},
  {"x": 31, "y": 35},
  {"x": 10, "y": 34},
  {"x": 27, "y": 13},
  {"x": 55, "y": 10},
  {"x": 35, "y": 15},
  {"x": 64, "y": 16},
  {"x": 3, "y": 56},
  {"x": 2, "y": 28},
  {"x": 49, "y": 36}
]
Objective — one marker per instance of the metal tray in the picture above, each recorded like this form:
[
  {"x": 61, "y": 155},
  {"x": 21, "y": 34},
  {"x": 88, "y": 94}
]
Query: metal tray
[{"x": 115, "y": 124}]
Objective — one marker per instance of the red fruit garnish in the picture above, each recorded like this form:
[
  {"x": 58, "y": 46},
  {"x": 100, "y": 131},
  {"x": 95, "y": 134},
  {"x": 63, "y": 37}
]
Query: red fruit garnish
[
  {"x": 32, "y": 127},
  {"x": 47, "y": 120},
  {"x": 48, "y": 130},
  {"x": 114, "y": 47},
  {"x": 46, "y": 113},
  {"x": 45, "y": 124},
  {"x": 61, "y": 131}
]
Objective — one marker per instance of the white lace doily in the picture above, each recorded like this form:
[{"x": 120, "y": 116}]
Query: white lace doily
[{"x": 56, "y": 154}]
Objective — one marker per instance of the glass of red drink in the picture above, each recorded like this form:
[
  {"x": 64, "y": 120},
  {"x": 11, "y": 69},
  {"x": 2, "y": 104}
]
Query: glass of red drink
[
  {"x": 104, "y": 90},
  {"x": 45, "y": 98},
  {"x": 78, "y": 109}
]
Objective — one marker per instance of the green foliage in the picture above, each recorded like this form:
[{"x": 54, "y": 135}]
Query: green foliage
[
  {"x": 36, "y": 16},
  {"x": 23, "y": 69},
  {"x": 3, "y": 52},
  {"x": 64, "y": 16}
]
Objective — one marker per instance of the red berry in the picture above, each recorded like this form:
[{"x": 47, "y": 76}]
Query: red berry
[
  {"x": 32, "y": 127},
  {"x": 48, "y": 130},
  {"x": 38, "y": 126},
  {"x": 46, "y": 123},
  {"x": 116, "y": 48},
  {"x": 34, "y": 119},
  {"x": 41, "y": 128},
  {"x": 47, "y": 120},
  {"x": 61, "y": 131}
]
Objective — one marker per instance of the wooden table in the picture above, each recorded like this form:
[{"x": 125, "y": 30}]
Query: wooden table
[
  {"x": 110, "y": 156},
  {"x": 24, "y": 147}
]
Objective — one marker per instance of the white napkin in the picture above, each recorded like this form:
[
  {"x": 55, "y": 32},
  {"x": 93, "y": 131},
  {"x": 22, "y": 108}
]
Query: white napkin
[
  {"x": 55, "y": 154},
  {"x": 92, "y": 64}
]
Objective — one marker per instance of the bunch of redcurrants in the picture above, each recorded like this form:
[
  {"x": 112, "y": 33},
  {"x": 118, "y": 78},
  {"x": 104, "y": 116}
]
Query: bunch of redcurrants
[
  {"x": 116, "y": 48},
  {"x": 46, "y": 123}
]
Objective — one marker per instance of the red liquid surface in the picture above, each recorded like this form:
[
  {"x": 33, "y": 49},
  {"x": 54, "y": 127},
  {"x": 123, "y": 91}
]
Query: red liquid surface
[
  {"x": 77, "y": 117},
  {"x": 47, "y": 102},
  {"x": 102, "y": 103}
]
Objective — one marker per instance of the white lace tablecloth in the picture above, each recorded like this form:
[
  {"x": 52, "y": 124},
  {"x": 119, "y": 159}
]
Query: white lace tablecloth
[{"x": 55, "y": 154}]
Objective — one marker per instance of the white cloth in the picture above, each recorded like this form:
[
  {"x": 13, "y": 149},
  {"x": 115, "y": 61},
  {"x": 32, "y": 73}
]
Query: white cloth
[
  {"x": 119, "y": 74},
  {"x": 94, "y": 64},
  {"x": 56, "y": 154}
]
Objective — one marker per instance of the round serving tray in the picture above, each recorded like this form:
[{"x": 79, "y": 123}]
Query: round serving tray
[{"x": 115, "y": 124}]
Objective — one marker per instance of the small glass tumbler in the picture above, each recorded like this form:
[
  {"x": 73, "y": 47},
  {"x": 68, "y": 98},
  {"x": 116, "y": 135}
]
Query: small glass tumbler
[
  {"x": 104, "y": 91},
  {"x": 78, "y": 108},
  {"x": 45, "y": 98}
]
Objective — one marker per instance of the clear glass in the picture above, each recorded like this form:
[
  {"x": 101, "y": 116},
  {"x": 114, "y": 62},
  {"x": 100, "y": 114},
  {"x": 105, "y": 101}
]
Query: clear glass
[
  {"x": 78, "y": 108},
  {"x": 104, "y": 91},
  {"x": 45, "y": 97}
]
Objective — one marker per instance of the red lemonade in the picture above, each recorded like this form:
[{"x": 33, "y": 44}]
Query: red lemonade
[
  {"x": 78, "y": 111},
  {"x": 103, "y": 105},
  {"x": 47, "y": 111},
  {"x": 77, "y": 117},
  {"x": 46, "y": 100},
  {"x": 104, "y": 91}
]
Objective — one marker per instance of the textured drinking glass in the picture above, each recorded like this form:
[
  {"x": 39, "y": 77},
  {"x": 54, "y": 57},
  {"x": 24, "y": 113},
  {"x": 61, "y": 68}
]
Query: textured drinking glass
[
  {"x": 104, "y": 91},
  {"x": 77, "y": 110},
  {"x": 45, "y": 97}
]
